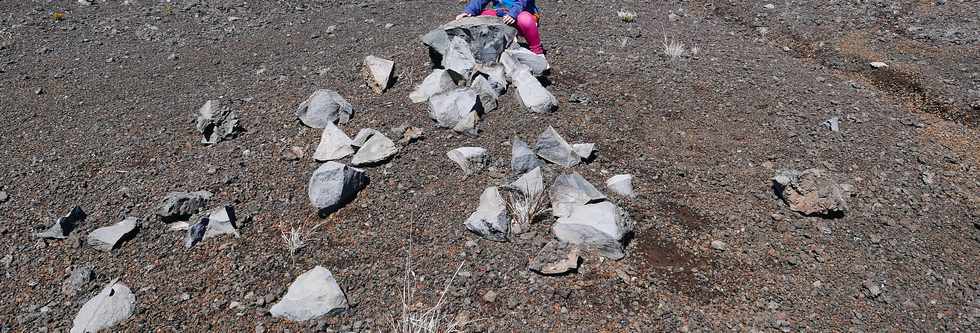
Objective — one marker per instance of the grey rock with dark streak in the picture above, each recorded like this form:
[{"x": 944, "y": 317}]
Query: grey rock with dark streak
[
  {"x": 333, "y": 185},
  {"x": 64, "y": 225},
  {"x": 178, "y": 206},
  {"x": 107, "y": 238},
  {"x": 490, "y": 219},
  {"x": 216, "y": 122}
]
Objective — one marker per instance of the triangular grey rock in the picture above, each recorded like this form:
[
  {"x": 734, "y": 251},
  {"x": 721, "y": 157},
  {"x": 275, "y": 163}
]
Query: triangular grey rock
[
  {"x": 64, "y": 225},
  {"x": 378, "y": 148},
  {"x": 451, "y": 107},
  {"x": 113, "y": 304},
  {"x": 313, "y": 294},
  {"x": 553, "y": 148},
  {"x": 571, "y": 190},
  {"x": 333, "y": 185},
  {"x": 601, "y": 225},
  {"x": 522, "y": 159},
  {"x": 106, "y": 238},
  {"x": 362, "y": 136},
  {"x": 535, "y": 97},
  {"x": 490, "y": 220},
  {"x": 438, "y": 81},
  {"x": 488, "y": 96},
  {"x": 379, "y": 72},
  {"x": 221, "y": 221},
  {"x": 324, "y": 106},
  {"x": 621, "y": 185},
  {"x": 216, "y": 123},
  {"x": 471, "y": 159},
  {"x": 334, "y": 144},
  {"x": 584, "y": 150}
]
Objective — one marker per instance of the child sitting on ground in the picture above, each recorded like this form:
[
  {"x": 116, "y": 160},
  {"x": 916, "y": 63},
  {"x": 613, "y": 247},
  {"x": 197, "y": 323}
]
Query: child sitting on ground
[{"x": 521, "y": 13}]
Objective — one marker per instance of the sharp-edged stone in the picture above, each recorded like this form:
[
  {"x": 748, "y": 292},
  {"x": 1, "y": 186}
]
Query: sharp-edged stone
[
  {"x": 80, "y": 276},
  {"x": 334, "y": 144},
  {"x": 222, "y": 221},
  {"x": 107, "y": 238},
  {"x": 333, "y": 185},
  {"x": 812, "y": 192},
  {"x": 496, "y": 76},
  {"x": 376, "y": 149},
  {"x": 379, "y": 72},
  {"x": 438, "y": 81},
  {"x": 536, "y": 63},
  {"x": 64, "y": 225},
  {"x": 195, "y": 233},
  {"x": 570, "y": 190},
  {"x": 362, "y": 136},
  {"x": 467, "y": 125},
  {"x": 602, "y": 225},
  {"x": 530, "y": 183},
  {"x": 216, "y": 122},
  {"x": 450, "y": 108},
  {"x": 553, "y": 148},
  {"x": 324, "y": 106},
  {"x": 113, "y": 304},
  {"x": 488, "y": 96},
  {"x": 471, "y": 159},
  {"x": 487, "y": 37},
  {"x": 535, "y": 97},
  {"x": 522, "y": 159},
  {"x": 313, "y": 294},
  {"x": 555, "y": 258},
  {"x": 490, "y": 220},
  {"x": 179, "y": 206},
  {"x": 621, "y": 185},
  {"x": 459, "y": 58},
  {"x": 584, "y": 150}
]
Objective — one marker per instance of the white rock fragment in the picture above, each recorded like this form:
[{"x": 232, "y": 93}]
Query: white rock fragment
[
  {"x": 113, "y": 304},
  {"x": 334, "y": 144},
  {"x": 570, "y": 190},
  {"x": 333, "y": 185},
  {"x": 376, "y": 149},
  {"x": 621, "y": 185},
  {"x": 362, "y": 136},
  {"x": 535, "y": 97},
  {"x": 556, "y": 257},
  {"x": 602, "y": 225},
  {"x": 222, "y": 221},
  {"x": 584, "y": 150},
  {"x": 496, "y": 76},
  {"x": 490, "y": 220},
  {"x": 471, "y": 159},
  {"x": 313, "y": 294},
  {"x": 379, "y": 72},
  {"x": 106, "y": 238},
  {"x": 438, "y": 81},
  {"x": 522, "y": 159},
  {"x": 878, "y": 64},
  {"x": 324, "y": 106},
  {"x": 216, "y": 122},
  {"x": 536, "y": 63},
  {"x": 553, "y": 148}
]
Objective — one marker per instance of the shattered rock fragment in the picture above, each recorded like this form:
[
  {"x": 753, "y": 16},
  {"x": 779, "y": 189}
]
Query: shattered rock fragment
[
  {"x": 812, "y": 192},
  {"x": 334, "y": 144},
  {"x": 221, "y": 221},
  {"x": 459, "y": 58},
  {"x": 362, "y": 136},
  {"x": 438, "y": 81},
  {"x": 455, "y": 109},
  {"x": 486, "y": 36},
  {"x": 181, "y": 205},
  {"x": 324, "y": 106},
  {"x": 522, "y": 159},
  {"x": 333, "y": 185},
  {"x": 490, "y": 220},
  {"x": 536, "y": 63},
  {"x": 113, "y": 304},
  {"x": 621, "y": 185},
  {"x": 216, "y": 122},
  {"x": 488, "y": 96},
  {"x": 602, "y": 225},
  {"x": 195, "y": 233},
  {"x": 407, "y": 134},
  {"x": 570, "y": 190},
  {"x": 471, "y": 159},
  {"x": 107, "y": 238},
  {"x": 379, "y": 73},
  {"x": 313, "y": 294},
  {"x": 555, "y": 258},
  {"x": 376, "y": 149},
  {"x": 80, "y": 276},
  {"x": 535, "y": 97},
  {"x": 553, "y": 148},
  {"x": 64, "y": 225},
  {"x": 584, "y": 150}
]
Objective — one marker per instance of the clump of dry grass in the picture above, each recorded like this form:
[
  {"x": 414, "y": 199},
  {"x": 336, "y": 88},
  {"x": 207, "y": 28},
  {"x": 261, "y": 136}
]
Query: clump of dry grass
[
  {"x": 627, "y": 16},
  {"x": 294, "y": 237},
  {"x": 524, "y": 202},
  {"x": 435, "y": 319},
  {"x": 672, "y": 48}
]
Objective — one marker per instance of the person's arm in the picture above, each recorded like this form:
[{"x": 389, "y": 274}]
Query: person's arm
[
  {"x": 516, "y": 8},
  {"x": 474, "y": 7}
]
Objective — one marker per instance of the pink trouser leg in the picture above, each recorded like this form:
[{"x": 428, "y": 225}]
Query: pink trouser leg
[{"x": 527, "y": 25}]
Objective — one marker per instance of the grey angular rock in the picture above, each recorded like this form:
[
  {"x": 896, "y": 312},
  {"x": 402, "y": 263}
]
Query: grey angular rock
[
  {"x": 512, "y": 66},
  {"x": 80, "y": 276},
  {"x": 362, "y": 136},
  {"x": 313, "y": 294},
  {"x": 467, "y": 125},
  {"x": 113, "y": 304},
  {"x": 64, "y": 225},
  {"x": 812, "y": 192},
  {"x": 376, "y": 149},
  {"x": 4, "y": 197},
  {"x": 621, "y": 185},
  {"x": 584, "y": 150},
  {"x": 487, "y": 37},
  {"x": 471, "y": 159},
  {"x": 450, "y": 108},
  {"x": 488, "y": 96},
  {"x": 333, "y": 185},
  {"x": 535, "y": 97},
  {"x": 221, "y": 221},
  {"x": 438, "y": 81},
  {"x": 553, "y": 148},
  {"x": 496, "y": 76},
  {"x": 459, "y": 58},
  {"x": 178, "y": 206},
  {"x": 107, "y": 238},
  {"x": 522, "y": 159},
  {"x": 379, "y": 73},
  {"x": 570, "y": 190},
  {"x": 322, "y": 107},
  {"x": 536, "y": 63},
  {"x": 195, "y": 233},
  {"x": 216, "y": 122},
  {"x": 490, "y": 219},
  {"x": 555, "y": 258},
  {"x": 832, "y": 124},
  {"x": 530, "y": 183},
  {"x": 334, "y": 144},
  {"x": 602, "y": 225}
]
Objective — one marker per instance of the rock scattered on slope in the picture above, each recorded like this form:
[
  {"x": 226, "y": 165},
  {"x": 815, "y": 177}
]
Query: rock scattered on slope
[
  {"x": 812, "y": 192},
  {"x": 376, "y": 149},
  {"x": 362, "y": 136},
  {"x": 555, "y": 258},
  {"x": 293, "y": 153},
  {"x": 378, "y": 72},
  {"x": 313, "y": 294},
  {"x": 490, "y": 219},
  {"x": 621, "y": 185},
  {"x": 534, "y": 96},
  {"x": 64, "y": 225},
  {"x": 324, "y": 106},
  {"x": 471, "y": 159},
  {"x": 80, "y": 276},
  {"x": 455, "y": 109},
  {"x": 407, "y": 134},
  {"x": 333, "y": 185},
  {"x": 195, "y": 233},
  {"x": 334, "y": 144},
  {"x": 584, "y": 150},
  {"x": 537, "y": 64},
  {"x": 602, "y": 225},
  {"x": 113, "y": 304},
  {"x": 530, "y": 183},
  {"x": 216, "y": 122},
  {"x": 570, "y": 190},
  {"x": 178, "y": 206},
  {"x": 553, "y": 148},
  {"x": 108, "y": 238},
  {"x": 221, "y": 221},
  {"x": 438, "y": 81},
  {"x": 522, "y": 159}
]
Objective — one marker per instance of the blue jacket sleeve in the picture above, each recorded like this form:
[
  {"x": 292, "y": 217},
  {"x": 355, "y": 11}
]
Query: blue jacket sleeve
[
  {"x": 517, "y": 8},
  {"x": 474, "y": 7}
]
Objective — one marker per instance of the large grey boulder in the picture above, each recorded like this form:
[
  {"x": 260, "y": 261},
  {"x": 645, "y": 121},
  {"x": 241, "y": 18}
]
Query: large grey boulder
[
  {"x": 812, "y": 192},
  {"x": 570, "y": 190},
  {"x": 459, "y": 58},
  {"x": 621, "y": 185},
  {"x": 602, "y": 225},
  {"x": 376, "y": 149},
  {"x": 471, "y": 159},
  {"x": 487, "y": 37},
  {"x": 535, "y": 97},
  {"x": 522, "y": 159},
  {"x": 378, "y": 72},
  {"x": 333, "y": 185},
  {"x": 313, "y": 294},
  {"x": 334, "y": 144},
  {"x": 216, "y": 122},
  {"x": 324, "y": 106},
  {"x": 438, "y": 81},
  {"x": 113, "y": 304},
  {"x": 64, "y": 225},
  {"x": 455, "y": 109},
  {"x": 488, "y": 96},
  {"x": 553, "y": 148},
  {"x": 490, "y": 219},
  {"x": 536, "y": 63},
  {"x": 177, "y": 206},
  {"x": 555, "y": 258},
  {"x": 107, "y": 238}
]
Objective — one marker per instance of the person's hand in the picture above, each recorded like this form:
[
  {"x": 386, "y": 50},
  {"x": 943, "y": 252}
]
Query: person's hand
[
  {"x": 508, "y": 19},
  {"x": 462, "y": 15}
]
